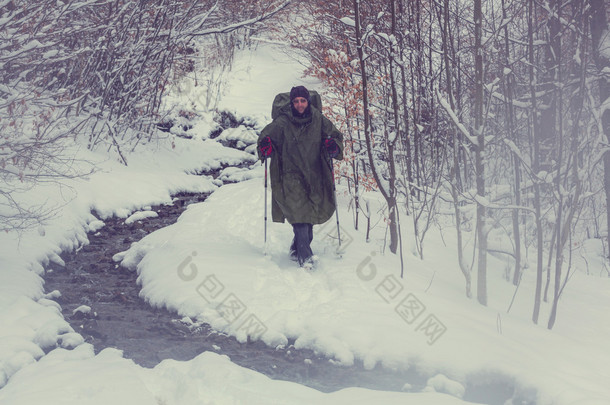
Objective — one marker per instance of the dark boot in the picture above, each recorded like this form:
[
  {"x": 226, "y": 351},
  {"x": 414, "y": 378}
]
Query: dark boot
[{"x": 303, "y": 235}]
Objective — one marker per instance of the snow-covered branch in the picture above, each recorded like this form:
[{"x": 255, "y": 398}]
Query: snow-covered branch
[
  {"x": 241, "y": 24},
  {"x": 445, "y": 104}
]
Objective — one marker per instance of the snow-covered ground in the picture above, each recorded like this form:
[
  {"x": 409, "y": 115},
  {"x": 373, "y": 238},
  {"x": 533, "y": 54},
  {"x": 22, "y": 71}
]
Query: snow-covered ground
[{"x": 210, "y": 267}]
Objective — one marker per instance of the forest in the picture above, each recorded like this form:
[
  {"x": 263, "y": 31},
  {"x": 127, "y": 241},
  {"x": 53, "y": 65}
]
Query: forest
[{"x": 493, "y": 113}]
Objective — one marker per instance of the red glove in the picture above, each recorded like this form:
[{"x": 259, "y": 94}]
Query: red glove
[
  {"x": 265, "y": 147},
  {"x": 331, "y": 147}
]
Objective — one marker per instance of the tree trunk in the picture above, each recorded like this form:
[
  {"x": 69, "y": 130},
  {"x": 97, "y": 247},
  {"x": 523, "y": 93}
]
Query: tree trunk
[
  {"x": 599, "y": 36},
  {"x": 535, "y": 162},
  {"x": 454, "y": 173},
  {"x": 392, "y": 143},
  {"x": 569, "y": 179},
  {"x": 388, "y": 192},
  {"x": 479, "y": 158},
  {"x": 510, "y": 114}
]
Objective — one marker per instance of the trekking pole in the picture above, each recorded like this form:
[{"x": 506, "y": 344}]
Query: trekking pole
[
  {"x": 331, "y": 167},
  {"x": 265, "y": 244}
]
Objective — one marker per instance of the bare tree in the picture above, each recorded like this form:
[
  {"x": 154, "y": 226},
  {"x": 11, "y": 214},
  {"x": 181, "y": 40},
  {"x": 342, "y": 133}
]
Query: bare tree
[{"x": 484, "y": 100}]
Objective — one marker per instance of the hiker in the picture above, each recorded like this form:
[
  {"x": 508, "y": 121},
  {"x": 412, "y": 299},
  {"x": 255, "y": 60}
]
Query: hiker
[{"x": 301, "y": 143}]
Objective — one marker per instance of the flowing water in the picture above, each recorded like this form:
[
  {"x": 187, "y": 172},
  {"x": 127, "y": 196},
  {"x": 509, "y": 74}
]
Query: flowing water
[{"x": 119, "y": 318}]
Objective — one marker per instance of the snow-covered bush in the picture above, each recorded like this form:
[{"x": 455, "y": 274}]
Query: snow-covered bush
[{"x": 94, "y": 72}]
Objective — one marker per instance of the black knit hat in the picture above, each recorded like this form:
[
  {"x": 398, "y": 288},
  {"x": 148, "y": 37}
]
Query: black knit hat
[{"x": 299, "y": 91}]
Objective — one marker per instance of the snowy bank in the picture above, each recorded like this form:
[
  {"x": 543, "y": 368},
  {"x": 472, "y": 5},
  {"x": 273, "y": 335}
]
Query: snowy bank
[
  {"x": 209, "y": 266},
  {"x": 30, "y": 321}
]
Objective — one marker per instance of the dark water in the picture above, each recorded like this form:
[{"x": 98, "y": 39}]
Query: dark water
[{"x": 119, "y": 318}]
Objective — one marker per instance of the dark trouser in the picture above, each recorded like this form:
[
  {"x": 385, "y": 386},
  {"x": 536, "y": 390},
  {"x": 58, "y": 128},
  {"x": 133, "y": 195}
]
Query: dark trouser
[{"x": 303, "y": 235}]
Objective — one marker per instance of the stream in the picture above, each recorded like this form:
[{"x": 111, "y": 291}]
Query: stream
[{"x": 120, "y": 319}]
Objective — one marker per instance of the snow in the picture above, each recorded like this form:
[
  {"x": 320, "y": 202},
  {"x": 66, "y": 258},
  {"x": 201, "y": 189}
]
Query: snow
[
  {"x": 445, "y": 104},
  {"x": 96, "y": 225},
  {"x": 440, "y": 383},
  {"x": 209, "y": 266},
  {"x": 83, "y": 309},
  {"x": 241, "y": 136},
  {"x": 28, "y": 324},
  {"x": 209, "y": 379},
  {"x": 348, "y": 21},
  {"x": 140, "y": 215},
  {"x": 256, "y": 79}
]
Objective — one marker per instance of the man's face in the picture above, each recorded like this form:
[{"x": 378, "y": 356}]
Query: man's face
[{"x": 300, "y": 104}]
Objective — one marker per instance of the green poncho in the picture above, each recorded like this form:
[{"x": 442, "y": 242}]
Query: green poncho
[{"x": 300, "y": 170}]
